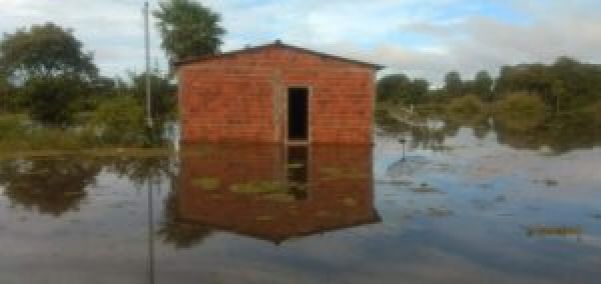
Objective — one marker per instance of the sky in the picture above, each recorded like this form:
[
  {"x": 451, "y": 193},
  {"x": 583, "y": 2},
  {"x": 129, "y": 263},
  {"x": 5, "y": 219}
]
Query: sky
[{"x": 420, "y": 38}]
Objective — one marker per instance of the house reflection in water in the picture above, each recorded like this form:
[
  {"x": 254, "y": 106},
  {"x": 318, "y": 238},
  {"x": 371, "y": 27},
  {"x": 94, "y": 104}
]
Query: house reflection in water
[{"x": 276, "y": 193}]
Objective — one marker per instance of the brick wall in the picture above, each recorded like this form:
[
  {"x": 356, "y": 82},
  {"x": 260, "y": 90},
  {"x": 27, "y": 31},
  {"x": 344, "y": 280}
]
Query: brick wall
[{"x": 242, "y": 97}]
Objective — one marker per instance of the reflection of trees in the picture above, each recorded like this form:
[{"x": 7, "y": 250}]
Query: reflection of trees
[
  {"x": 179, "y": 233},
  {"x": 422, "y": 135},
  {"x": 52, "y": 186},
  {"x": 141, "y": 169},
  {"x": 560, "y": 133}
]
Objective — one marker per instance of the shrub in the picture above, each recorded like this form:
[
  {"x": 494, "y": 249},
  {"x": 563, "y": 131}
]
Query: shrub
[
  {"x": 19, "y": 133},
  {"x": 119, "y": 121},
  {"x": 521, "y": 105},
  {"x": 465, "y": 105},
  {"x": 520, "y": 111},
  {"x": 52, "y": 100}
]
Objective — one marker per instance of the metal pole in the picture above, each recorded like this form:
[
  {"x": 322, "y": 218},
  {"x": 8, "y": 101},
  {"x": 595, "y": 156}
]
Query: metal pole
[
  {"x": 150, "y": 232},
  {"x": 147, "y": 46}
]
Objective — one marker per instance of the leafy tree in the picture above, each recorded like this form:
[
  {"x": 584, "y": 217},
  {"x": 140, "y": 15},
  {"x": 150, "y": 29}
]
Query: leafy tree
[
  {"x": 453, "y": 84},
  {"x": 393, "y": 87},
  {"x": 53, "y": 100},
  {"x": 188, "y": 29},
  {"x": 419, "y": 91},
  {"x": 48, "y": 65},
  {"x": 44, "y": 51},
  {"x": 399, "y": 88},
  {"x": 482, "y": 85},
  {"x": 164, "y": 96}
]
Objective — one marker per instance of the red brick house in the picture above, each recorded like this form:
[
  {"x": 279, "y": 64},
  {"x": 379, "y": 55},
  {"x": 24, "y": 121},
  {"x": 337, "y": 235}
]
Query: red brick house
[{"x": 277, "y": 93}]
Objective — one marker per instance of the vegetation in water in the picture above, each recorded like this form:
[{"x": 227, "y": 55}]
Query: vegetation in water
[
  {"x": 560, "y": 231},
  {"x": 51, "y": 85},
  {"x": 207, "y": 183},
  {"x": 260, "y": 186}
]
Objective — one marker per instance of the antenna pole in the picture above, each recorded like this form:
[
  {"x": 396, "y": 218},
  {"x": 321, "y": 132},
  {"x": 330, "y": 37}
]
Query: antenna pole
[{"x": 147, "y": 47}]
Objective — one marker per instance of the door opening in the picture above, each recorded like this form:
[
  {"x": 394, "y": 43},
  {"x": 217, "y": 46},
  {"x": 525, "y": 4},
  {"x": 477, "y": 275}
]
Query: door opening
[{"x": 298, "y": 114}]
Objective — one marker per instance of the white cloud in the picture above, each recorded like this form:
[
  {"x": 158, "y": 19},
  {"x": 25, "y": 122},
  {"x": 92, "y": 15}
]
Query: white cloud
[{"x": 422, "y": 38}]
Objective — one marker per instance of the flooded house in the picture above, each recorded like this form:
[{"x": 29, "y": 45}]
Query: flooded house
[{"x": 277, "y": 93}]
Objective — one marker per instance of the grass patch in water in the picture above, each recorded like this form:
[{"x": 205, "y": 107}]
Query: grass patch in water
[
  {"x": 265, "y": 218},
  {"x": 439, "y": 212},
  {"x": 547, "y": 231},
  {"x": 264, "y": 186},
  {"x": 207, "y": 183},
  {"x": 279, "y": 197},
  {"x": 296, "y": 165},
  {"x": 425, "y": 188},
  {"x": 349, "y": 202},
  {"x": 333, "y": 173}
]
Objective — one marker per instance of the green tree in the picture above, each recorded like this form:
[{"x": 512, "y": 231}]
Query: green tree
[
  {"x": 418, "y": 91},
  {"x": 188, "y": 29},
  {"x": 453, "y": 84},
  {"x": 53, "y": 100},
  {"x": 50, "y": 68},
  {"x": 44, "y": 51},
  {"x": 482, "y": 86},
  {"x": 393, "y": 87},
  {"x": 164, "y": 98}
]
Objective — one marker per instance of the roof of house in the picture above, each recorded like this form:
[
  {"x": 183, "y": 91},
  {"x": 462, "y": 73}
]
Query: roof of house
[
  {"x": 271, "y": 233},
  {"x": 278, "y": 43}
]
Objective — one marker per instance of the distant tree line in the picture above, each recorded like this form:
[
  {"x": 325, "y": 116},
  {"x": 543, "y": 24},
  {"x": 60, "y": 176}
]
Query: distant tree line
[{"x": 564, "y": 85}]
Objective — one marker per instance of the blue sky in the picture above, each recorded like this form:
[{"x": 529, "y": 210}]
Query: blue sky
[{"x": 418, "y": 37}]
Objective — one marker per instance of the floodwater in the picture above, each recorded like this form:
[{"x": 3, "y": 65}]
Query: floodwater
[{"x": 453, "y": 204}]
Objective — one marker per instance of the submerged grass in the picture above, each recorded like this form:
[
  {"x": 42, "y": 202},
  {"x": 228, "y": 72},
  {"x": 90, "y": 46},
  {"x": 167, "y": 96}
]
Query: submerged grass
[
  {"x": 560, "y": 231},
  {"x": 261, "y": 186},
  {"x": 337, "y": 173},
  {"x": 207, "y": 183},
  {"x": 21, "y": 137}
]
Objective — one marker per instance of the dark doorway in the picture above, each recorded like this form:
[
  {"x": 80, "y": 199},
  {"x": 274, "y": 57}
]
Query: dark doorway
[{"x": 298, "y": 114}]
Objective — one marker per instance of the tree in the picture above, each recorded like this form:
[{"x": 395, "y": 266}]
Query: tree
[
  {"x": 52, "y": 100},
  {"x": 453, "y": 84},
  {"x": 163, "y": 92},
  {"x": 48, "y": 65},
  {"x": 482, "y": 85},
  {"x": 188, "y": 29},
  {"x": 393, "y": 87},
  {"x": 418, "y": 91},
  {"x": 44, "y": 51}
]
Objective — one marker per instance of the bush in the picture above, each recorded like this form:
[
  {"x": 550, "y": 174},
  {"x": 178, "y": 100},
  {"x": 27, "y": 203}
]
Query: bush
[
  {"x": 465, "y": 105},
  {"x": 119, "y": 121},
  {"x": 19, "y": 133},
  {"x": 51, "y": 100},
  {"x": 521, "y": 105},
  {"x": 12, "y": 126},
  {"x": 520, "y": 111}
]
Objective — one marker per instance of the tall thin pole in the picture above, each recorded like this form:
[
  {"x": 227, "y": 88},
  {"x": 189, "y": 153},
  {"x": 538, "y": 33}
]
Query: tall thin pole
[
  {"x": 150, "y": 232},
  {"x": 147, "y": 45}
]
